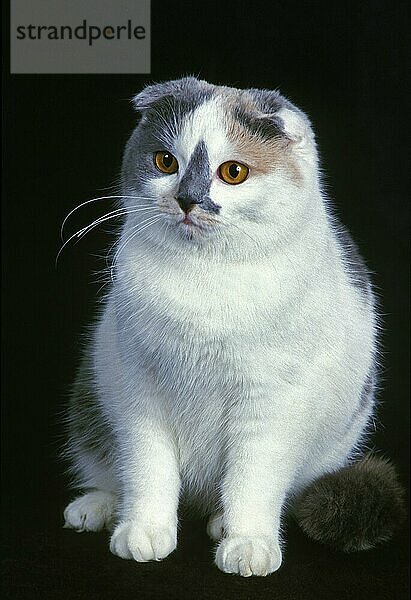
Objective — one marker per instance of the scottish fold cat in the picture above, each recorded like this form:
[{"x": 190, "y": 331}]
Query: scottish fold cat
[{"x": 234, "y": 361}]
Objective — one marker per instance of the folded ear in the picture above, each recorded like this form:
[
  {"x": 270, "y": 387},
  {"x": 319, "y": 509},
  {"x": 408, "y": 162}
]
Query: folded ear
[
  {"x": 296, "y": 125},
  {"x": 152, "y": 93},
  {"x": 290, "y": 120},
  {"x": 177, "y": 89}
]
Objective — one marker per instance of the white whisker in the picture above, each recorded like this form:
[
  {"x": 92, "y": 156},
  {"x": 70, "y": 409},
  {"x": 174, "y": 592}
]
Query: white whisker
[
  {"x": 116, "y": 213},
  {"x": 76, "y": 208}
]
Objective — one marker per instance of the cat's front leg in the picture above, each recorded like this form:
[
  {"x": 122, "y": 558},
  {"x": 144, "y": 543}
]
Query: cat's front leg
[
  {"x": 251, "y": 524},
  {"x": 148, "y": 520},
  {"x": 259, "y": 469}
]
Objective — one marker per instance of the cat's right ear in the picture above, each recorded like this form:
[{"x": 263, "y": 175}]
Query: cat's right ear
[
  {"x": 185, "y": 87},
  {"x": 176, "y": 88},
  {"x": 150, "y": 94}
]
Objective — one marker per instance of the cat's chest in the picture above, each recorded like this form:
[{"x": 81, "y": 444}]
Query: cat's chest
[
  {"x": 205, "y": 300},
  {"x": 211, "y": 329}
]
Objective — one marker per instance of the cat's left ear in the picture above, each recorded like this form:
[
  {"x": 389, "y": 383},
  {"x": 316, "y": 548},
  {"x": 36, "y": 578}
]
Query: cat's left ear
[
  {"x": 293, "y": 124},
  {"x": 296, "y": 127}
]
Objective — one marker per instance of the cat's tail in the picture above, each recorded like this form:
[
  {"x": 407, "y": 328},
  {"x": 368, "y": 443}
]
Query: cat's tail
[{"x": 354, "y": 508}]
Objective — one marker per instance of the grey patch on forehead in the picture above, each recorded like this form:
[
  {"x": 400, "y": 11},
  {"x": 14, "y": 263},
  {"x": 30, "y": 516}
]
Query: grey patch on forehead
[
  {"x": 163, "y": 109},
  {"x": 166, "y": 106},
  {"x": 196, "y": 181}
]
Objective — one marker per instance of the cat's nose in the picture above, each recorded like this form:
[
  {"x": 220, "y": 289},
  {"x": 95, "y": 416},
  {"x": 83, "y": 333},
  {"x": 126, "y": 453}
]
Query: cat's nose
[{"x": 186, "y": 204}]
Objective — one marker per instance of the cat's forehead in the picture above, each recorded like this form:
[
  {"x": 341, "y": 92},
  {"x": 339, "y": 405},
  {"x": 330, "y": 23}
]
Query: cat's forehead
[
  {"x": 230, "y": 123},
  {"x": 206, "y": 123},
  {"x": 251, "y": 126}
]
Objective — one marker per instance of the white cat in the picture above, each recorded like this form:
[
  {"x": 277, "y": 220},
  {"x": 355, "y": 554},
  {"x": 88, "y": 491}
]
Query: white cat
[{"x": 234, "y": 360}]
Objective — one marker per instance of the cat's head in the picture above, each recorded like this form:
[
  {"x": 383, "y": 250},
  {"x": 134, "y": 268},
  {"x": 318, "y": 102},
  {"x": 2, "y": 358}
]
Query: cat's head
[{"x": 217, "y": 163}]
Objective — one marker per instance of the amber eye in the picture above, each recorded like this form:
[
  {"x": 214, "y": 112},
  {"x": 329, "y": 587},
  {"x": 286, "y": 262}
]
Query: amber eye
[
  {"x": 166, "y": 162},
  {"x": 233, "y": 172}
]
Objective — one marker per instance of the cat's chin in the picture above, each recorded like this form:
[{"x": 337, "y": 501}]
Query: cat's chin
[
  {"x": 190, "y": 229},
  {"x": 189, "y": 232}
]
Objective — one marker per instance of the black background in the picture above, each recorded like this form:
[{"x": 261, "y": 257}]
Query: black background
[{"x": 344, "y": 64}]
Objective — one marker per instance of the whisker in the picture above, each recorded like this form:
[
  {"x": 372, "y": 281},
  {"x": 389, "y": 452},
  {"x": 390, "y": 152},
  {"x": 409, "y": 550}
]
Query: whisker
[
  {"x": 76, "y": 208},
  {"x": 119, "y": 212},
  {"x": 82, "y": 232},
  {"x": 116, "y": 185},
  {"x": 167, "y": 226}
]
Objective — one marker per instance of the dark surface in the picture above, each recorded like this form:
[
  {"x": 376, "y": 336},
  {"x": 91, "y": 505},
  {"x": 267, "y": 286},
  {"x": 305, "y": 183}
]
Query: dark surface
[
  {"x": 343, "y": 63},
  {"x": 51, "y": 562}
]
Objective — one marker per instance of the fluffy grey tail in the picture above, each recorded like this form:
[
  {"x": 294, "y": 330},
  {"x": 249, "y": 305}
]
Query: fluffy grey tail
[{"x": 355, "y": 508}]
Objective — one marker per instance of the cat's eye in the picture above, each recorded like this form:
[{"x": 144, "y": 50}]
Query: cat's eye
[
  {"x": 233, "y": 172},
  {"x": 166, "y": 162}
]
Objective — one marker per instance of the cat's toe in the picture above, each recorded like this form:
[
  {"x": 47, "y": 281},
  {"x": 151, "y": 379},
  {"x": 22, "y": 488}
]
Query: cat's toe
[
  {"x": 91, "y": 512},
  {"x": 134, "y": 540},
  {"x": 215, "y": 526},
  {"x": 248, "y": 556}
]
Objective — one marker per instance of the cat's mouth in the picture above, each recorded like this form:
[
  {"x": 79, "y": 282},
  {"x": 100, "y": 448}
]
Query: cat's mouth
[
  {"x": 190, "y": 222},
  {"x": 191, "y": 227}
]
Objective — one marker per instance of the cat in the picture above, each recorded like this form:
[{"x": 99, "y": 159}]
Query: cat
[{"x": 235, "y": 359}]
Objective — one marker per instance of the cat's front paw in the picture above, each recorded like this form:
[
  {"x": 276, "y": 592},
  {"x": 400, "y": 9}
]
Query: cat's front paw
[
  {"x": 143, "y": 542},
  {"x": 91, "y": 512},
  {"x": 248, "y": 556}
]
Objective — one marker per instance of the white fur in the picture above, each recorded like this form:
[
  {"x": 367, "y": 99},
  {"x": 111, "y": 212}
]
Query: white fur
[
  {"x": 92, "y": 512},
  {"x": 230, "y": 365}
]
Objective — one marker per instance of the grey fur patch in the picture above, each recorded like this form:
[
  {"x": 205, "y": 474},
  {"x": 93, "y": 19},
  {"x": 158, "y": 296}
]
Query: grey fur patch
[
  {"x": 365, "y": 401},
  {"x": 367, "y": 393},
  {"x": 253, "y": 212},
  {"x": 269, "y": 101},
  {"x": 166, "y": 106},
  {"x": 254, "y": 110},
  {"x": 265, "y": 128},
  {"x": 210, "y": 206},
  {"x": 353, "y": 261},
  {"x": 163, "y": 110},
  {"x": 88, "y": 431},
  {"x": 196, "y": 181},
  {"x": 185, "y": 89},
  {"x": 267, "y": 125},
  {"x": 355, "y": 508}
]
